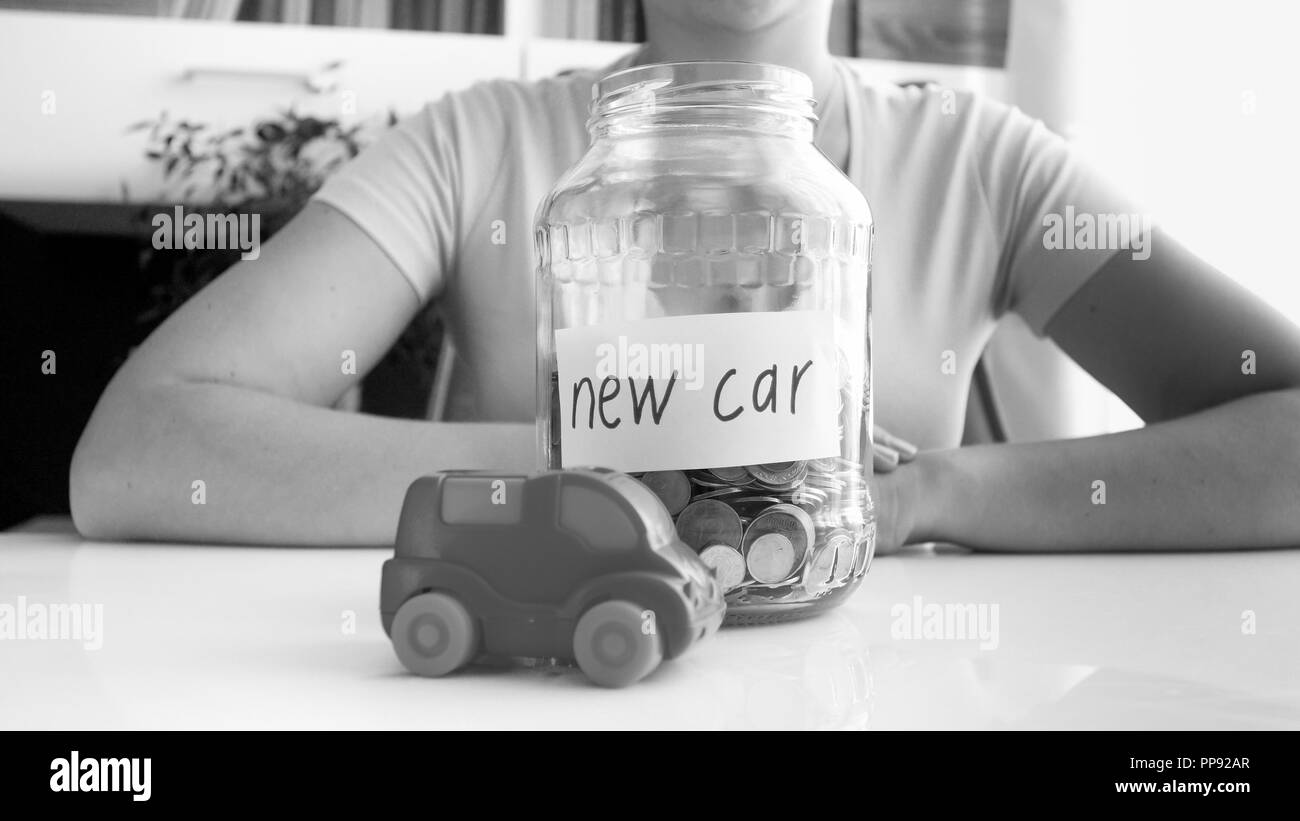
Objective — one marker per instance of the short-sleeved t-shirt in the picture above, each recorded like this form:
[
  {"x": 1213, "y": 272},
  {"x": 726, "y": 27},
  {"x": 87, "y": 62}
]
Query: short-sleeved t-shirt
[{"x": 958, "y": 186}]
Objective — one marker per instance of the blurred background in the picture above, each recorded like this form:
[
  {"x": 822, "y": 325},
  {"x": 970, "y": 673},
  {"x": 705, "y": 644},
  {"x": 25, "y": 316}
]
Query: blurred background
[{"x": 113, "y": 110}]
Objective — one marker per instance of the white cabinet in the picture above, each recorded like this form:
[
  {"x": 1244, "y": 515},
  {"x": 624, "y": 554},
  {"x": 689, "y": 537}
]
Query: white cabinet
[{"x": 72, "y": 84}]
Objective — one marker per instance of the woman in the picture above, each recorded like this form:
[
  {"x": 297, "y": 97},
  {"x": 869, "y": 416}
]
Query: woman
[{"x": 234, "y": 389}]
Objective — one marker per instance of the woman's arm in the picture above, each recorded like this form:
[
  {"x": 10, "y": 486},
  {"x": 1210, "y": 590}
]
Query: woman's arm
[
  {"x": 233, "y": 390},
  {"x": 1215, "y": 374}
]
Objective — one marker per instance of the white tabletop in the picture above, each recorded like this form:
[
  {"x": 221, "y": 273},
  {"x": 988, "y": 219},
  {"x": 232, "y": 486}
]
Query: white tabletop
[{"x": 239, "y": 637}]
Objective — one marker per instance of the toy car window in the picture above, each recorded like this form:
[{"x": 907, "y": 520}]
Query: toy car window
[
  {"x": 659, "y": 525},
  {"x": 597, "y": 518},
  {"x": 482, "y": 500}
]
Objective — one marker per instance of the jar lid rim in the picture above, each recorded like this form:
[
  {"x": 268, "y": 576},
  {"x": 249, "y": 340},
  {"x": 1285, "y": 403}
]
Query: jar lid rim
[
  {"x": 688, "y": 81},
  {"x": 694, "y": 72}
]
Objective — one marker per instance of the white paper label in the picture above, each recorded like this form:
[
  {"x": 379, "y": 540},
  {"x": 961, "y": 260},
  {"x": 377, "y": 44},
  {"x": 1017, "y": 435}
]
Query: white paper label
[{"x": 711, "y": 390}]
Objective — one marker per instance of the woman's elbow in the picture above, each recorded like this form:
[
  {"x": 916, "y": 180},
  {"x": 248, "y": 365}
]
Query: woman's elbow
[
  {"x": 100, "y": 474},
  {"x": 90, "y": 490}
]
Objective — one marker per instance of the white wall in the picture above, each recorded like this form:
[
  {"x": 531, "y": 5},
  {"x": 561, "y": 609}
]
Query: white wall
[
  {"x": 1193, "y": 105},
  {"x": 103, "y": 72},
  {"x": 544, "y": 57},
  {"x": 1190, "y": 106}
]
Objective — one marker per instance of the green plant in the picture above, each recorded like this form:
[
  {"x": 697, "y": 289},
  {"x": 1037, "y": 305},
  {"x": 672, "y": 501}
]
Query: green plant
[
  {"x": 281, "y": 159},
  {"x": 270, "y": 167}
]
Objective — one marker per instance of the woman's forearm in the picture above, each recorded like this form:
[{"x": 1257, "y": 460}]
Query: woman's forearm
[
  {"x": 1225, "y": 477},
  {"x": 273, "y": 471}
]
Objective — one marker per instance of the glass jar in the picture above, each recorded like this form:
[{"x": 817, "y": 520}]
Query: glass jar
[{"x": 703, "y": 321}]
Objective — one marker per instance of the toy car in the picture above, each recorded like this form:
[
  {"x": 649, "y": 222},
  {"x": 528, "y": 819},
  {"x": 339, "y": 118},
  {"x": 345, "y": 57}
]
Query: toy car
[{"x": 583, "y": 565}]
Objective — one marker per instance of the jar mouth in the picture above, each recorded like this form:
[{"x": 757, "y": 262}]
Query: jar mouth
[{"x": 663, "y": 87}]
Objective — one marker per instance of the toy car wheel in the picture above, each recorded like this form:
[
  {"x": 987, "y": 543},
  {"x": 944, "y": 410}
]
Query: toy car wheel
[
  {"x": 434, "y": 634},
  {"x": 613, "y": 646}
]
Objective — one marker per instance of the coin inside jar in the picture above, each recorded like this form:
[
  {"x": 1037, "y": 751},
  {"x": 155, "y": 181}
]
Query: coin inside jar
[
  {"x": 789, "y": 521},
  {"x": 770, "y": 558},
  {"x": 720, "y": 493},
  {"x": 779, "y": 474},
  {"x": 671, "y": 486},
  {"x": 709, "y": 522},
  {"x": 751, "y": 506},
  {"x": 730, "y": 475},
  {"x": 705, "y": 478},
  {"x": 727, "y": 563}
]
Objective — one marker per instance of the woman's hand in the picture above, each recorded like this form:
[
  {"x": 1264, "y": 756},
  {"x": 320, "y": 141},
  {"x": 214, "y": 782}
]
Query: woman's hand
[
  {"x": 893, "y": 490},
  {"x": 889, "y": 451}
]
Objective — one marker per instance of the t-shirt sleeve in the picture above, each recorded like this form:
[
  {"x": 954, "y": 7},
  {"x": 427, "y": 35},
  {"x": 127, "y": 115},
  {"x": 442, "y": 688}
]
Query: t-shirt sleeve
[
  {"x": 405, "y": 191},
  {"x": 1033, "y": 179}
]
